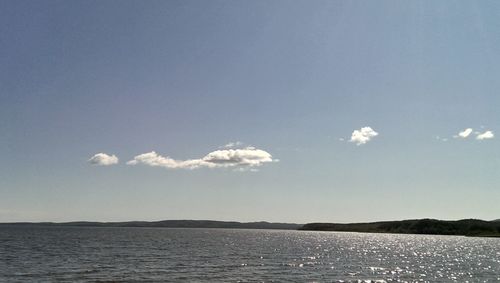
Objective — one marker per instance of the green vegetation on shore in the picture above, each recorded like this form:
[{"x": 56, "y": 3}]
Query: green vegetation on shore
[{"x": 466, "y": 227}]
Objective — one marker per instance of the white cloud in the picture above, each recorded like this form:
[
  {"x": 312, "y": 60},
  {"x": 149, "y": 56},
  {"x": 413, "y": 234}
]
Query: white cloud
[
  {"x": 249, "y": 156},
  {"x": 363, "y": 135},
  {"x": 103, "y": 159},
  {"x": 465, "y": 133},
  {"x": 232, "y": 144},
  {"x": 486, "y": 135},
  {"x": 154, "y": 159},
  {"x": 441, "y": 139}
]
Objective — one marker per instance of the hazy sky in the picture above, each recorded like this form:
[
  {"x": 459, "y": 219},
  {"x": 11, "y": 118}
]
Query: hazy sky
[{"x": 289, "y": 83}]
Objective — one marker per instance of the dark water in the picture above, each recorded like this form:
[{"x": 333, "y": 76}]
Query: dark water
[{"x": 51, "y": 254}]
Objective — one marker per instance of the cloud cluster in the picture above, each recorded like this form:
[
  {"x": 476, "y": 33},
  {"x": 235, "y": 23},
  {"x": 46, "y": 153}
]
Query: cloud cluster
[
  {"x": 103, "y": 159},
  {"x": 479, "y": 136},
  {"x": 363, "y": 135},
  {"x": 246, "y": 157}
]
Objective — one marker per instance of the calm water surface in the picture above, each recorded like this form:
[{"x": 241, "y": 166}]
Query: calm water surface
[{"x": 55, "y": 254}]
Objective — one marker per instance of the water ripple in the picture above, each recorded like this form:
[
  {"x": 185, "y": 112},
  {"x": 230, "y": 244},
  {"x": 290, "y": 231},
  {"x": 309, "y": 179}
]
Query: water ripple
[{"x": 173, "y": 255}]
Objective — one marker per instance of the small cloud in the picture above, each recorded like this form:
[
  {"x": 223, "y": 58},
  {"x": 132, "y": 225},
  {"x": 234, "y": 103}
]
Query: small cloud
[
  {"x": 341, "y": 139},
  {"x": 486, "y": 135},
  {"x": 232, "y": 144},
  {"x": 363, "y": 135},
  {"x": 103, "y": 159},
  {"x": 245, "y": 157},
  {"x": 441, "y": 139},
  {"x": 246, "y": 169},
  {"x": 465, "y": 133}
]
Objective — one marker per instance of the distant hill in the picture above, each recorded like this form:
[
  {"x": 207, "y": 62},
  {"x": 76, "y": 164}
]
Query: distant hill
[
  {"x": 466, "y": 227},
  {"x": 171, "y": 224}
]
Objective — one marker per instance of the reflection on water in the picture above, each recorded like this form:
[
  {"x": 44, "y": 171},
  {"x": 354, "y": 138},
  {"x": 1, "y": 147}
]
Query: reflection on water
[{"x": 157, "y": 254}]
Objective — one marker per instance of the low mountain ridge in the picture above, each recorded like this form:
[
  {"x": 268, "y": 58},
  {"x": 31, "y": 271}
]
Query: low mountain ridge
[{"x": 171, "y": 224}]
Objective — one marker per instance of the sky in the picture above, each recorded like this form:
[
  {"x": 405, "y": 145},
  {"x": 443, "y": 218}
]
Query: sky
[{"x": 283, "y": 111}]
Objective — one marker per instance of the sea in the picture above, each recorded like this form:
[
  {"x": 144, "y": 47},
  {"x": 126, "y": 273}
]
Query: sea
[{"x": 86, "y": 254}]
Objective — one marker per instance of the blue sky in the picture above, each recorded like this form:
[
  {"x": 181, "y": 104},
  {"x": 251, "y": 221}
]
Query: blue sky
[{"x": 290, "y": 80}]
